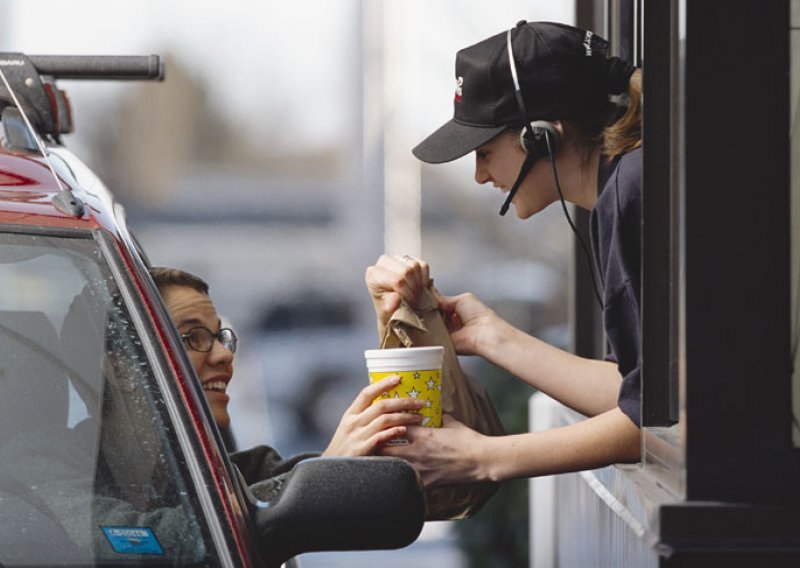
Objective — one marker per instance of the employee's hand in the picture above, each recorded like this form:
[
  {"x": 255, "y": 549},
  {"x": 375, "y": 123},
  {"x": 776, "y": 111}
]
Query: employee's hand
[
  {"x": 393, "y": 278},
  {"x": 443, "y": 456},
  {"x": 471, "y": 323}
]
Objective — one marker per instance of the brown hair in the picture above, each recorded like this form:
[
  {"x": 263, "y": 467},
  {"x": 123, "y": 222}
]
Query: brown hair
[
  {"x": 615, "y": 129},
  {"x": 165, "y": 277},
  {"x": 625, "y": 134}
]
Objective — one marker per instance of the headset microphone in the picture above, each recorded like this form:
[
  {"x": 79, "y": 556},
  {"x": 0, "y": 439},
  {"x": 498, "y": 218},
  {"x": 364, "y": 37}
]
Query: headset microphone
[{"x": 530, "y": 159}]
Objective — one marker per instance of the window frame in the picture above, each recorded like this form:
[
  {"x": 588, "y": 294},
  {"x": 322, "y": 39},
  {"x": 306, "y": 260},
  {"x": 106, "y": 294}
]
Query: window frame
[
  {"x": 726, "y": 301},
  {"x": 185, "y": 422},
  {"x": 716, "y": 266},
  {"x": 205, "y": 503}
]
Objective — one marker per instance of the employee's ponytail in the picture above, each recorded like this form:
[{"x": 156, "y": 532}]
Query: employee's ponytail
[{"x": 625, "y": 134}]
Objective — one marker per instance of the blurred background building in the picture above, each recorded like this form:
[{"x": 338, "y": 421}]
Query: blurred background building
[{"x": 274, "y": 161}]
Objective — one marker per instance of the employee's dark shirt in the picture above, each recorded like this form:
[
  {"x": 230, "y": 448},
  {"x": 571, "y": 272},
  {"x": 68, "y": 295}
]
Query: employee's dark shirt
[{"x": 616, "y": 222}]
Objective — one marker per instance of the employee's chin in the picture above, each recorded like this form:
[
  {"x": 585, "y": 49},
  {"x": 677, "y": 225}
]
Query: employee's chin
[
  {"x": 522, "y": 212},
  {"x": 526, "y": 210}
]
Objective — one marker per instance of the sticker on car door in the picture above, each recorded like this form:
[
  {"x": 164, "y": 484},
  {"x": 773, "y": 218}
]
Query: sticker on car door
[{"x": 133, "y": 540}]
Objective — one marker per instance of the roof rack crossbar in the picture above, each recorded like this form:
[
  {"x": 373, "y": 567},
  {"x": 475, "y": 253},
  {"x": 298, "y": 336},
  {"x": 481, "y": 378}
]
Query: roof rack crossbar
[
  {"x": 99, "y": 67},
  {"x": 29, "y": 76}
]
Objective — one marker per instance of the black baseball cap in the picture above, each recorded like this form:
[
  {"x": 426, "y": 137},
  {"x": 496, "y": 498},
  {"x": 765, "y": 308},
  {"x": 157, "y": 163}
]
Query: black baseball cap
[{"x": 564, "y": 73}]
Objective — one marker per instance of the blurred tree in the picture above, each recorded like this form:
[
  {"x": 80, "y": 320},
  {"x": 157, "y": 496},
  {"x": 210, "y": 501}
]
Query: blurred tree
[
  {"x": 154, "y": 134},
  {"x": 497, "y": 535}
]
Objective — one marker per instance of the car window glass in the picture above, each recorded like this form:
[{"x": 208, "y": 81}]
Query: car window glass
[{"x": 90, "y": 469}]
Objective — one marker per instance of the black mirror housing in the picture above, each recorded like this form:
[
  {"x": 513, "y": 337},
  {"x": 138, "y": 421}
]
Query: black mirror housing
[{"x": 342, "y": 504}]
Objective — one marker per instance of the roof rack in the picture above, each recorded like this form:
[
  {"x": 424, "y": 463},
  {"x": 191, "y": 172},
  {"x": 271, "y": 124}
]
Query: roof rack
[{"x": 33, "y": 79}]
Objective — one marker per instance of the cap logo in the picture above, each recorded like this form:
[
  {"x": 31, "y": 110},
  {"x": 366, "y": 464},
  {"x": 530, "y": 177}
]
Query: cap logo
[
  {"x": 587, "y": 43},
  {"x": 459, "y": 84}
]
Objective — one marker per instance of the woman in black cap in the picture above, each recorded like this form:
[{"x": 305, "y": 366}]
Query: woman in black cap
[{"x": 536, "y": 104}]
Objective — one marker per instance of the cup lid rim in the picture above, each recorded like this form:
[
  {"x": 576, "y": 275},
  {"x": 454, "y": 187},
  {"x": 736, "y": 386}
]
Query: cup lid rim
[{"x": 393, "y": 352}]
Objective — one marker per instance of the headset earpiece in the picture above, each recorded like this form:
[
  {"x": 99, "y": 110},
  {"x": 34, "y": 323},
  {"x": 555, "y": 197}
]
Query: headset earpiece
[
  {"x": 534, "y": 138},
  {"x": 540, "y": 137}
]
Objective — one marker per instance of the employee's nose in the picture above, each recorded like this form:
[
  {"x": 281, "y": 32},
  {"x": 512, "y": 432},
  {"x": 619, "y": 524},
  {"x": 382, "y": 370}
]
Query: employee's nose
[{"x": 481, "y": 174}]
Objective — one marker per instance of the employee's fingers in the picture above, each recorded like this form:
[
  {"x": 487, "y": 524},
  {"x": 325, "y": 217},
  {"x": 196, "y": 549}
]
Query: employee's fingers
[
  {"x": 389, "y": 278},
  {"x": 420, "y": 268},
  {"x": 408, "y": 273}
]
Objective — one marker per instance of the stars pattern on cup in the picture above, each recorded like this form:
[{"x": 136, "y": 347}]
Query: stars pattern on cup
[{"x": 420, "y": 385}]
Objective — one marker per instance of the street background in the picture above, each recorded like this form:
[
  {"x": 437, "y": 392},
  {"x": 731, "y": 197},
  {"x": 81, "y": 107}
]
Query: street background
[{"x": 274, "y": 161}]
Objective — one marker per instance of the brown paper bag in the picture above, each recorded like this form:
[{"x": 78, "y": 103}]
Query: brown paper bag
[{"x": 462, "y": 396}]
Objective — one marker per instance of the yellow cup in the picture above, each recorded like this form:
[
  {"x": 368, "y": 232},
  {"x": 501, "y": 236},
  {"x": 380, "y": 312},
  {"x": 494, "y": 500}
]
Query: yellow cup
[{"x": 420, "y": 372}]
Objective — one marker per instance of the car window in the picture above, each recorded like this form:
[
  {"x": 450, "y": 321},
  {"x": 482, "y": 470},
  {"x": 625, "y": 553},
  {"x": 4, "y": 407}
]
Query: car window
[{"x": 90, "y": 468}]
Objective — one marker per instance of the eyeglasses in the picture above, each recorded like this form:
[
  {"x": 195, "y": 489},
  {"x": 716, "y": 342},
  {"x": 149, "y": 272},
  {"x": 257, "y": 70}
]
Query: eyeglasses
[{"x": 202, "y": 339}]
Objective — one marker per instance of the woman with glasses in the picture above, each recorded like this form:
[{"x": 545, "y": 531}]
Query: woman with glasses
[{"x": 363, "y": 428}]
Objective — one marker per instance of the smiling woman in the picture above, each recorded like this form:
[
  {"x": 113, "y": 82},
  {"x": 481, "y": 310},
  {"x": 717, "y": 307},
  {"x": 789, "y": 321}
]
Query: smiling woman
[
  {"x": 363, "y": 426},
  {"x": 108, "y": 453},
  {"x": 193, "y": 310}
]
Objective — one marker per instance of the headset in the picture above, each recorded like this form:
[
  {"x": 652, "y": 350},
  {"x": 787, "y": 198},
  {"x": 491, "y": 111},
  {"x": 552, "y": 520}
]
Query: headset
[
  {"x": 540, "y": 139},
  {"x": 533, "y": 138}
]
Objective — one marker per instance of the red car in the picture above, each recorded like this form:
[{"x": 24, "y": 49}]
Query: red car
[{"x": 108, "y": 452}]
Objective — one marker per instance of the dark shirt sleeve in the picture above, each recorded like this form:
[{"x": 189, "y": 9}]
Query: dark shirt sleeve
[
  {"x": 629, "y": 401},
  {"x": 264, "y": 470}
]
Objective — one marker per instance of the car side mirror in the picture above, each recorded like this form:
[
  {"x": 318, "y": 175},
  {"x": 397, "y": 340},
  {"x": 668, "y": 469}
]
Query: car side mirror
[{"x": 342, "y": 504}]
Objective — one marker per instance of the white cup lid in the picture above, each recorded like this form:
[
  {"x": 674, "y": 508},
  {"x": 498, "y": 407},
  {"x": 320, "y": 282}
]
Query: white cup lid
[{"x": 420, "y": 357}]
